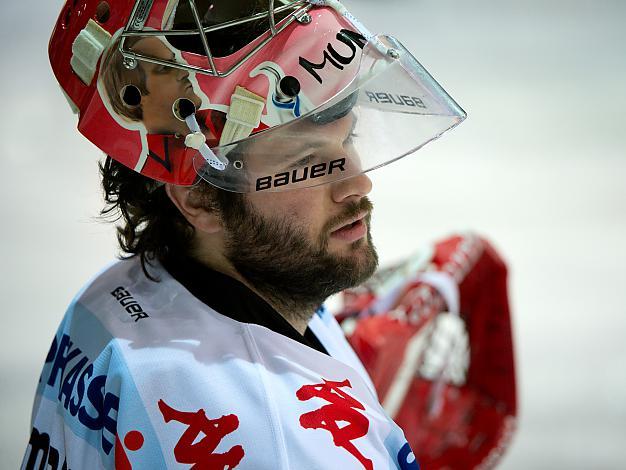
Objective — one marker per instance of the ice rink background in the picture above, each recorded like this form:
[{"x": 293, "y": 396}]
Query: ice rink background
[{"x": 539, "y": 167}]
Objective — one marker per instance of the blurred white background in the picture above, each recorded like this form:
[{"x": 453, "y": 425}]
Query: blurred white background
[{"x": 539, "y": 168}]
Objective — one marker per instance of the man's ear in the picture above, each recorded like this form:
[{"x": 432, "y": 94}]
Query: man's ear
[{"x": 186, "y": 201}]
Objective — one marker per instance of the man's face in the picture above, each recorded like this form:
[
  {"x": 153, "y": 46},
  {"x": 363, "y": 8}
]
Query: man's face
[
  {"x": 305, "y": 244},
  {"x": 165, "y": 85}
]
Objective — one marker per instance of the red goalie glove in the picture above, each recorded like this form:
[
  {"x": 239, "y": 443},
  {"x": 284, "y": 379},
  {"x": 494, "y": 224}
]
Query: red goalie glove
[{"x": 435, "y": 336}]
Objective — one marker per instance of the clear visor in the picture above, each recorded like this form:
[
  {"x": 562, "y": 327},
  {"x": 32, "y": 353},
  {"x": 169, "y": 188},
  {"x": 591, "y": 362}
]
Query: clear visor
[{"x": 390, "y": 109}]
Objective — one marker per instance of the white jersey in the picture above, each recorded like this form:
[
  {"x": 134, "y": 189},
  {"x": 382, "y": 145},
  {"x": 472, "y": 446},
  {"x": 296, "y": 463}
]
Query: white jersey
[{"x": 143, "y": 375}]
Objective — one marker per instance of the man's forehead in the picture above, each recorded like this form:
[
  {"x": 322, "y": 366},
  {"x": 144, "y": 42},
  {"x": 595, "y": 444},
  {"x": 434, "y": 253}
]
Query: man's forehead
[
  {"x": 307, "y": 133},
  {"x": 296, "y": 140},
  {"x": 154, "y": 46}
]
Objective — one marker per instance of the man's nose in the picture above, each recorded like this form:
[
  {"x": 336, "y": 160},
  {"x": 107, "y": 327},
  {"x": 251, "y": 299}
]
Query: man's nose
[{"x": 351, "y": 189}]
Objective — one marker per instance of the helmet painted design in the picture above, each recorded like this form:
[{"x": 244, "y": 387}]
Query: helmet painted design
[{"x": 250, "y": 95}]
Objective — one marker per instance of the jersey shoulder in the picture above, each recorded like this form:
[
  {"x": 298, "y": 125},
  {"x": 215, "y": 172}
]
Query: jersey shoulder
[{"x": 123, "y": 338}]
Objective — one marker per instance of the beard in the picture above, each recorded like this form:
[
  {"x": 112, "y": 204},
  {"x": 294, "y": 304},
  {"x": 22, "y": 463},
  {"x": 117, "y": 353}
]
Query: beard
[{"x": 294, "y": 273}]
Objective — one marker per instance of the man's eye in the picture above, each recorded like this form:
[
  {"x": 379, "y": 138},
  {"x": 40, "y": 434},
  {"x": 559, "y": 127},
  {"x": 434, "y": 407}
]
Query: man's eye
[{"x": 301, "y": 162}]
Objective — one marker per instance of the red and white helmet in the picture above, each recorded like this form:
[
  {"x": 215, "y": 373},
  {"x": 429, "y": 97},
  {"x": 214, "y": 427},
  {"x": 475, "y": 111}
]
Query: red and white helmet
[{"x": 250, "y": 95}]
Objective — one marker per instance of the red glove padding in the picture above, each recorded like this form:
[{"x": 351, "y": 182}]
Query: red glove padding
[{"x": 447, "y": 379}]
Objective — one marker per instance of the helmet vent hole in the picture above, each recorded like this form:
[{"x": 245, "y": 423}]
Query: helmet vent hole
[
  {"x": 103, "y": 12},
  {"x": 131, "y": 96},
  {"x": 183, "y": 108},
  {"x": 289, "y": 87}
]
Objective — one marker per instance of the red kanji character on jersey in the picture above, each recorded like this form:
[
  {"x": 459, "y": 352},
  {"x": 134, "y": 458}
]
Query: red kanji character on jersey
[
  {"x": 201, "y": 454},
  {"x": 343, "y": 407}
]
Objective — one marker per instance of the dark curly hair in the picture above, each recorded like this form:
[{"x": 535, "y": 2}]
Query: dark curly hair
[{"x": 152, "y": 227}]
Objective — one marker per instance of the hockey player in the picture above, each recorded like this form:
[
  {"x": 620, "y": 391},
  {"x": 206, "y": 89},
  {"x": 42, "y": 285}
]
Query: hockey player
[{"x": 209, "y": 346}]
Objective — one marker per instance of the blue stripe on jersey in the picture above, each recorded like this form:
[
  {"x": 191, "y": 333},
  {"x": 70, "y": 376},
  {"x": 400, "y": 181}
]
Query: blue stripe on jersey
[
  {"x": 85, "y": 381},
  {"x": 403, "y": 458},
  {"x": 133, "y": 415}
]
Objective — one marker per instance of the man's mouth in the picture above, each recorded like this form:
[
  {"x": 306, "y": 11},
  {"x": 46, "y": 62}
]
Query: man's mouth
[{"x": 352, "y": 230}]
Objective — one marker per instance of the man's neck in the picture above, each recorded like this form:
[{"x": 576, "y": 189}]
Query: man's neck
[{"x": 298, "y": 316}]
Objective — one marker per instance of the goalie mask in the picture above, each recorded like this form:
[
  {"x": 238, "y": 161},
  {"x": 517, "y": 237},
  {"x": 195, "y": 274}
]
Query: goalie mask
[{"x": 249, "y": 95}]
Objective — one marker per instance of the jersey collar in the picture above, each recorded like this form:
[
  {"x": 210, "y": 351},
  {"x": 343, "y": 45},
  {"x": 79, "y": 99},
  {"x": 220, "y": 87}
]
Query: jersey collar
[{"x": 233, "y": 299}]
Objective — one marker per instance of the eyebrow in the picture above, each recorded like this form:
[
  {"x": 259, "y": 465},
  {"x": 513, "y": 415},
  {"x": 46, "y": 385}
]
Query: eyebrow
[
  {"x": 171, "y": 59},
  {"x": 319, "y": 142}
]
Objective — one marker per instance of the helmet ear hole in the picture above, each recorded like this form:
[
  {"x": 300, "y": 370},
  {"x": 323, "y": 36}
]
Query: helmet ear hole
[
  {"x": 131, "y": 96},
  {"x": 289, "y": 86}
]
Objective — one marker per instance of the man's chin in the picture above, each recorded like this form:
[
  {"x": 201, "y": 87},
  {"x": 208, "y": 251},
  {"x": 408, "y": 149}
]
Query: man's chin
[
  {"x": 342, "y": 248},
  {"x": 360, "y": 257}
]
